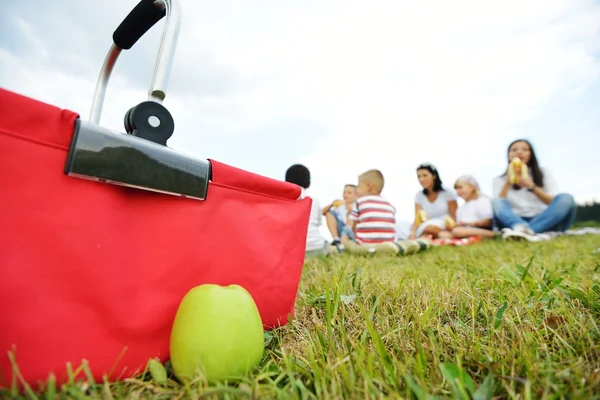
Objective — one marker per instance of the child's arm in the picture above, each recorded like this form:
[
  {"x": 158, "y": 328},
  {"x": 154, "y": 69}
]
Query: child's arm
[
  {"x": 327, "y": 208},
  {"x": 352, "y": 225},
  {"x": 353, "y": 217},
  {"x": 413, "y": 229},
  {"x": 452, "y": 206}
]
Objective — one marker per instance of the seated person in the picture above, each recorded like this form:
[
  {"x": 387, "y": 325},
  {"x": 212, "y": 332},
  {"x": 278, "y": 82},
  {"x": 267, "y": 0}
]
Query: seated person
[
  {"x": 315, "y": 242},
  {"x": 373, "y": 219},
  {"x": 475, "y": 217},
  {"x": 437, "y": 203},
  {"x": 532, "y": 204},
  {"x": 403, "y": 229},
  {"x": 336, "y": 213}
]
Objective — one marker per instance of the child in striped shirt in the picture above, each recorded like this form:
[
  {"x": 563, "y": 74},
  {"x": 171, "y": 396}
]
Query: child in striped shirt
[{"x": 373, "y": 218}]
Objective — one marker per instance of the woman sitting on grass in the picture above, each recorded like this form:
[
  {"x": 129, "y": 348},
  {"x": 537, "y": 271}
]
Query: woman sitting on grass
[
  {"x": 437, "y": 203},
  {"x": 475, "y": 217},
  {"x": 532, "y": 205}
]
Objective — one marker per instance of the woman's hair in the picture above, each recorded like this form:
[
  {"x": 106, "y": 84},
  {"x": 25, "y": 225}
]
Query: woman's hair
[
  {"x": 437, "y": 182},
  {"x": 537, "y": 176}
]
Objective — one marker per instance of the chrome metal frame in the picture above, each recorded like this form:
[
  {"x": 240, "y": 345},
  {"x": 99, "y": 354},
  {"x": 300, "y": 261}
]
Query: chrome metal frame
[{"x": 162, "y": 69}]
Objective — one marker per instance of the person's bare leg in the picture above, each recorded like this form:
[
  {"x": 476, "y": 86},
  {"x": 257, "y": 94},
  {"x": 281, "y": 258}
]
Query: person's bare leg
[
  {"x": 431, "y": 230},
  {"x": 445, "y": 235},
  {"x": 463, "y": 232},
  {"x": 332, "y": 225}
]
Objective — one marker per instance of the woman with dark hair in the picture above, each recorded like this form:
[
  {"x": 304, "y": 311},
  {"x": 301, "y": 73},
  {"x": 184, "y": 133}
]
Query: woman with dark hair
[
  {"x": 531, "y": 205},
  {"x": 436, "y": 202}
]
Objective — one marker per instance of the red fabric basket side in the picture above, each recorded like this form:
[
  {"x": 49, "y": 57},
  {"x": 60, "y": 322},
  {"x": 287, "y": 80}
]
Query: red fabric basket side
[{"x": 96, "y": 271}]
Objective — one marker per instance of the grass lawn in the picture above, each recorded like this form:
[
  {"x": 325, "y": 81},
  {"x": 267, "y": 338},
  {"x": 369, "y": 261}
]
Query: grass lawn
[{"x": 494, "y": 320}]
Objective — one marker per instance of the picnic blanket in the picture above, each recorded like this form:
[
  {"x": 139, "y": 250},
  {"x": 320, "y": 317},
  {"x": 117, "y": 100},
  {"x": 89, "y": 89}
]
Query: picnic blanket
[
  {"x": 408, "y": 247},
  {"x": 457, "y": 242},
  {"x": 571, "y": 232},
  {"x": 579, "y": 231},
  {"x": 542, "y": 237}
]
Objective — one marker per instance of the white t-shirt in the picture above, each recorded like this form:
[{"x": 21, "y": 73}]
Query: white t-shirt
[
  {"x": 342, "y": 211},
  {"x": 314, "y": 239},
  {"x": 475, "y": 210},
  {"x": 523, "y": 202},
  {"x": 439, "y": 208}
]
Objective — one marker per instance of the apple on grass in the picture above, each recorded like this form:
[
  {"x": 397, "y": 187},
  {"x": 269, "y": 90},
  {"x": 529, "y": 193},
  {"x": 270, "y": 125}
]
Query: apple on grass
[{"x": 217, "y": 332}]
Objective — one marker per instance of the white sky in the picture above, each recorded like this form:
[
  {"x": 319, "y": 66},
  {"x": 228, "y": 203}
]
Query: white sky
[{"x": 342, "y": 86}]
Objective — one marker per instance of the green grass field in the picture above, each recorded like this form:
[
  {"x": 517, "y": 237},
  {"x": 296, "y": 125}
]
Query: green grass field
[{"x": 494, "y": 320}]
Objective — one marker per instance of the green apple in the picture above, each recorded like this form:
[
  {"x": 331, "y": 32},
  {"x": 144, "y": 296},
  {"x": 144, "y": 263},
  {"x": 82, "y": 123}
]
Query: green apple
[{"x": 217, "y": 332}]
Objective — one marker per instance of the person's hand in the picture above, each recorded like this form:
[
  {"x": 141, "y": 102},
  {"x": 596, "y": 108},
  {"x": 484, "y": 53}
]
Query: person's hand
[
  {"x": 457, "y": 224},
  {"x": 526, "y": 183},
  {"x": 412, "y": 236}
]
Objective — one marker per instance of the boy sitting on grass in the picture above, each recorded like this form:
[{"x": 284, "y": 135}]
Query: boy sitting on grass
[
  {"x": 372, "y": 221},
  {"x": 336, "y": 213}
]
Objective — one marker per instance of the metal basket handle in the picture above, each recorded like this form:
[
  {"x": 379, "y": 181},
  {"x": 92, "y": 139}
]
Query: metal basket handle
[{"x": 145, "y": 15}]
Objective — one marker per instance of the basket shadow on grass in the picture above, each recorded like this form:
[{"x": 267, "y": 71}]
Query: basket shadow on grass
[{"x": 494, "y": 320}]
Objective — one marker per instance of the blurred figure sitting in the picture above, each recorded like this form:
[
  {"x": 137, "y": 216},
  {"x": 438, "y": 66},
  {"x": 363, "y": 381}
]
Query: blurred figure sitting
[
  {"x": 475, "y": 217},
  {"x": 435, "y": 202},
  {"x": 316, "y": 245},
  {"x": 372, "y": 221},
  {"x": 336, "y": 213}
]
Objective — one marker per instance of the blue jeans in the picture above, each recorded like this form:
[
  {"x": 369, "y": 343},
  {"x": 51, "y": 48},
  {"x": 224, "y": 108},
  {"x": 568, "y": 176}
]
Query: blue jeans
[
  {"x": 347, "y": 231},
  {"x": 558, "y": 216},
  {"x": 340, "y": 222}
]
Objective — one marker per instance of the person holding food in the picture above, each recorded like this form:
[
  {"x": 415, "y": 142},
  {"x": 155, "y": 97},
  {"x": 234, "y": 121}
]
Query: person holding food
[
  {"x": 435, "y": 207},
  {"x": 526, "y": 199},
  {"x": 336, "y": 213}
]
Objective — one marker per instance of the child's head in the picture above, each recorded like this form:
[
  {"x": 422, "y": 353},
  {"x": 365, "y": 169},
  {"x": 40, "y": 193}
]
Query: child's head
[
  {"x": 467, "y": 187},
  {"x": 370, "y": 182},
  {"x": 298, "y": 174},
  {"x": 349, "y": 193}
]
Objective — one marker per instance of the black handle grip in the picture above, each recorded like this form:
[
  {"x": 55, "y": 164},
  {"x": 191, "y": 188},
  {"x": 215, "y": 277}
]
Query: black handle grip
[{"x": 136, "y": 24}]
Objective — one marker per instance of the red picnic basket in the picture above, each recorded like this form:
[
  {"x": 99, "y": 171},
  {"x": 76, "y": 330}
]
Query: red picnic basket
[{"x": 94, "y": 269}]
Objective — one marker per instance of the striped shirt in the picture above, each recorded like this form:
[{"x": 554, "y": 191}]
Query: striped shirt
[{"x": 376, "y": 220}]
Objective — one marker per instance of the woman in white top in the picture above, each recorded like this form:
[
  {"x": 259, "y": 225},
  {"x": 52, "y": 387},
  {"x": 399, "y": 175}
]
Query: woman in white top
[
  {"x": 532, "y": 205},
  {"x": 437, "y": 202},
  {"x": 475, "y": 217}
]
